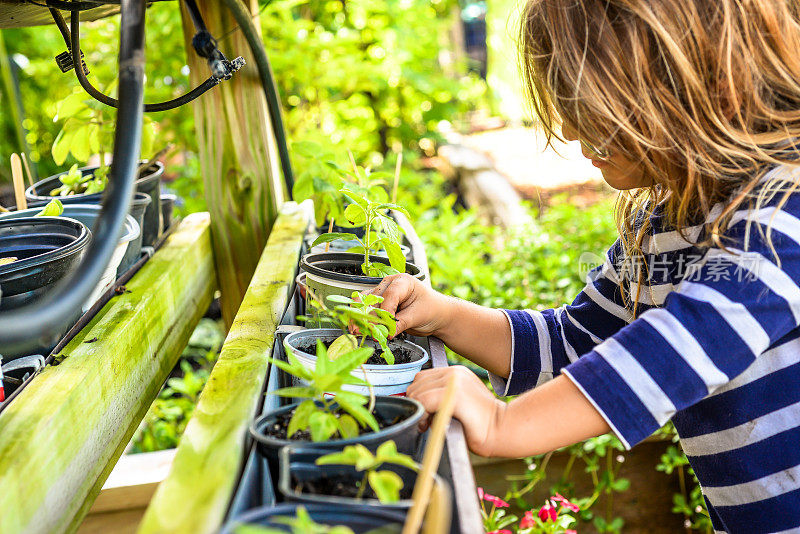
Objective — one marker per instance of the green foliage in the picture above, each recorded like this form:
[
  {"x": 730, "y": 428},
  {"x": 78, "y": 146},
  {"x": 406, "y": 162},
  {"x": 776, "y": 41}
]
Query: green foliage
[
  {"x": 386, "y": 484},
  {"x": 54, "y": 208},
  {"x": 381, "y": 232},
  {"x": 318, "y": 413},
  {"x": 362, "y": 312}
]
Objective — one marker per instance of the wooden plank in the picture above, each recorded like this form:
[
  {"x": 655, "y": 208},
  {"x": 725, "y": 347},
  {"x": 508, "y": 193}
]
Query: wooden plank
[
  {"x": 195, "y": 495},
  {"x": 21, "y": 13},
  {"x": 62, "y": 436},
  {"x": 238, "y": 155}
]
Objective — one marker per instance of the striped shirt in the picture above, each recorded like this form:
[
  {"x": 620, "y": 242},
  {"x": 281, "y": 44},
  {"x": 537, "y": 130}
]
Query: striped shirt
[{"x": 715, "y": 347}]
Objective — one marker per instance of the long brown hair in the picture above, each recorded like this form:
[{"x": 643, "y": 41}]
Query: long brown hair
[{"x": 704, "y": 93}]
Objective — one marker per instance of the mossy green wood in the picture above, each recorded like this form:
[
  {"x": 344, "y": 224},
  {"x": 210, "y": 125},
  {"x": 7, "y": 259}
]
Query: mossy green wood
[
  {"x": 61, "y": 437},
  {"x": 195, "y": 495},
  {"x": 238, "y": 156}
]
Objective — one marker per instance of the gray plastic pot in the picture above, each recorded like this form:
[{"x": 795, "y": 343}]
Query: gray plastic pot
[
  {"x": 323, "y": 279},
  {"x": 167, "y": 207},
  {"x": 148, "y": 183},
  {"x": 297, "y": 464},
  {"x": 385, "y": 379},
  {"x": 405, "y": 433}
]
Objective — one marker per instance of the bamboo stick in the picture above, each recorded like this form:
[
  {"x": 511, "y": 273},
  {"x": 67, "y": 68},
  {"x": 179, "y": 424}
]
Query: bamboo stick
[
  {"x": 397, "y": 176},
  {"x": 19, "y": 182},
  {"x": 28, "y": 171},
  {"x": 430, "y": 462}
]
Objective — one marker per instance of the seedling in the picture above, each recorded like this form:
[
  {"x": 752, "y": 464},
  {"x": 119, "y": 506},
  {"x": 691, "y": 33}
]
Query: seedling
[
  {"x": 385, "y": 484},
  {"x": 300, "y": 524},
  {"x": 363, "y": 314},
  {"x": 381, "y": 233},
  {"x": 87, "y": 130},
  {"x": 318, "y": 413},
  {"x": 54, "y": 208}
]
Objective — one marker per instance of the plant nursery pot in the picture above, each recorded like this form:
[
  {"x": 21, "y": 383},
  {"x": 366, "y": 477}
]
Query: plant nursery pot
[
  {"x": 405, "y": 433},
  {"x": 298, "y": 467},
  {"x": 47, "y": 248},
  {"x": 88, "y": 215},
  {"x": 344, "y": 246},
  {"x": 324, "y": 280},
  {"x": 148, "y": 183},
  {"x": 167, "y": 207},
  {"x": 361, "y": 519},
  {"x": 385, "y": 379}
]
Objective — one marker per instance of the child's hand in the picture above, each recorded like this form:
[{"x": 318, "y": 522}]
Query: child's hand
[
  {"x": 478, "y": 410},
  {"x": 419, "y": 309}
]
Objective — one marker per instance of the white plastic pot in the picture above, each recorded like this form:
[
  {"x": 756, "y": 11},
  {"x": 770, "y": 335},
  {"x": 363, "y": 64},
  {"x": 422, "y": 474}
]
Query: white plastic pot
[{"x": 385, "y": 379}]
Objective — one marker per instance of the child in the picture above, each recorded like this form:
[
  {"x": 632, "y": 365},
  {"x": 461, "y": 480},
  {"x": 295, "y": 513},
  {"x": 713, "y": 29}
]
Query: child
[{"x": 692, "y": 109}]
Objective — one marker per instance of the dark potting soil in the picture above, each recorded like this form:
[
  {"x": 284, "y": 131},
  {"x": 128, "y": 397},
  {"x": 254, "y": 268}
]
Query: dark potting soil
[
  {"x": 278, "y": 429},
  {"x": 341, "y": 486},
  {"x": 401, "y": 354}
]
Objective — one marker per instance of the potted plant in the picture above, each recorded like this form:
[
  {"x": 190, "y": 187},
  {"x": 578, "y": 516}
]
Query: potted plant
[
  {"x": 294, "y": 518},
  {"x": 329, "y": 415},
  {"x": 354, "y": 475},
  {"x": 341, "y": 273},
  {"x": 391, "y": 365},
  {"x": 88, "y": 130}
]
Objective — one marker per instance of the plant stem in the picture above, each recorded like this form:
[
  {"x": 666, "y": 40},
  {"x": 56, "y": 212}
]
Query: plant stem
[{"x": 363, "y": 486}]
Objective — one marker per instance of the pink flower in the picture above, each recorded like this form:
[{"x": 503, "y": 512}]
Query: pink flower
[
  {"x": 548, "y": 512},
  {"x": 497, "y": 501},
  {"x": 527, "y": 521},
  {"x": 570, "y": 531},
  {"x": 504, "y": 531},
  {"x": 565, "y": 503}
]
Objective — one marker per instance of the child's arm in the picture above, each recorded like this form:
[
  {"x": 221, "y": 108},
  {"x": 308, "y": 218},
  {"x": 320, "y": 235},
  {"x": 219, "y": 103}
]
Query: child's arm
[{"x": 544, "y": 419}]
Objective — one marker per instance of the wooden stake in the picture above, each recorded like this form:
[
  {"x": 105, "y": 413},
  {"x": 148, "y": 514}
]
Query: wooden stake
[
  {"x": 330, "y": 229},
  {"x": 19, "y": 182},
  {"x": 430, "y": 462},
  {"x": 28, "y": 171},
  {"x": 397, "y": 177}
]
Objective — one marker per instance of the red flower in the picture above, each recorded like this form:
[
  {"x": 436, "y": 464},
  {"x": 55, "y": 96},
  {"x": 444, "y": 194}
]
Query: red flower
[
  {"x": 548, "y": 512},
  {"x": 497, "y": 501},
  {"x": 565, "y": 503},
  {"x": 527, "y": 521}
]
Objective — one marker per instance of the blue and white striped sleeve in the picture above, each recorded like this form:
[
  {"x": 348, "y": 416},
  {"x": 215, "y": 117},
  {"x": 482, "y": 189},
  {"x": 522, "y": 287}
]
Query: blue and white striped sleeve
[
  {"x": 728, "y": 309},
  {"x": 542, "y": 343}
]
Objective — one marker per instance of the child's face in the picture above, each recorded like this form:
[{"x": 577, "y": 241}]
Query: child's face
[{"x": 618, "y": 172}]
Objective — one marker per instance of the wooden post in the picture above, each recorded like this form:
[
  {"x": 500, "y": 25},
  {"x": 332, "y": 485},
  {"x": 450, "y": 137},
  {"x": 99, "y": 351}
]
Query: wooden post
[
  {"x": 238, "y": 157},
  {"x": 62, "y": 436},
  {"x": 195, "y": 495}
]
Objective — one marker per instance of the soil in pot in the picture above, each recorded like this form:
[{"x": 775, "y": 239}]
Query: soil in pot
[
  {"x": 401, "y": 354},
  {"x": 278, "y": 429},
  {"x": 341, "y": 486}
]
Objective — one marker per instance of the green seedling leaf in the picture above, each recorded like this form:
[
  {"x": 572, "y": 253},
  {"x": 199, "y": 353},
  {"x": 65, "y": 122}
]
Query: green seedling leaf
[
  {"x": 295, "y": 392},
  {"x": 348, "y": 427},
  {"x": 361, "y": 414},
  {"x": 396, "y": 257},
  {"x": 322, "y": 425},
  {"x": 332, "y": 236},
  {"x": 350, "y": 455},
  {"x": 8, "y": 260},
  {"x": 341, "y": 299},
  {"x": 386, "y": 485},
  {"x": 299, "y": 420},
  {"x": 387, "y": 454},
  {"x": 54, "y": 208},
  {"x": 353, "y": 359},
  {"x": 356, "y": 214},
  {"x": 342, "y": 345}
]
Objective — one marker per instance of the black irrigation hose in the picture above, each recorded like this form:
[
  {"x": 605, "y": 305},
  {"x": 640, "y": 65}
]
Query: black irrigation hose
[
  {"x": 39, "y": 323},
  {"x": 74, "y": 43},
  {"x": 245, "y": 22}
]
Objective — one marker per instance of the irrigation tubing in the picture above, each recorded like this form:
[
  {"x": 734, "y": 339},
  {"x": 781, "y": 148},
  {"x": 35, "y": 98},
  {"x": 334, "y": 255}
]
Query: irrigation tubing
[
  {"x": 244, "y": 20},
  {"x": 41, "y": 322}
]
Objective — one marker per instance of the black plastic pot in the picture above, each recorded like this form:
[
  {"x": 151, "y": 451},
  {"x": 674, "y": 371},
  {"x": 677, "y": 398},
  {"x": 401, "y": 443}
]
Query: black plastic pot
[
  {"x": 297, "y": 464},
  {"x": 149, "y": 183},
  {"x": 167, "y": 207},
  {"x": 47, "y": 249},
  {"x": 405, "y": 433},
  {"x": 137, "y": 211},
  {"x": 361, "y": 519}
]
